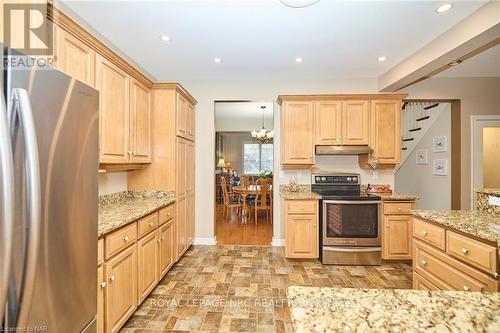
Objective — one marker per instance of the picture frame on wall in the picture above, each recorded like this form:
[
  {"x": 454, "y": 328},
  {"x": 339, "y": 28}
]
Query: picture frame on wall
[
  {"x": 440, "y": 144},
  {"x": 440, "y": 167},
  {"x": 421, "y": 156}
]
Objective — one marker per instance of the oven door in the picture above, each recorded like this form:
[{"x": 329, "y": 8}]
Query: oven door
[{"x": 351, "y": 222}]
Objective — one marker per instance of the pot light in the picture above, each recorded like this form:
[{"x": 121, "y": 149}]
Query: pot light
[
  {"x": 382, "y": 58},
  {"x": 298, "y": 60},
  {"x": 298, "y": 3},
  {"x": 444, "y": 8},
  {"x": 217, "y": 60},
  {"x": 455, "y": 62},
  {"x": 165, "y": 38}
]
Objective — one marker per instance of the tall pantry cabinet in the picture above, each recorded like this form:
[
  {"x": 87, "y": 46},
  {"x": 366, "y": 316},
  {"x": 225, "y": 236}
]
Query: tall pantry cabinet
[{"x": 173, "y": 157}]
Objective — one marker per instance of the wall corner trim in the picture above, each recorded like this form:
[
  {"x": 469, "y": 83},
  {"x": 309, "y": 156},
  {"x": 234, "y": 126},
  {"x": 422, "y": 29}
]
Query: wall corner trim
[
  {"x": 277, "y": 242},
  {"x": 205, "y": 241}
]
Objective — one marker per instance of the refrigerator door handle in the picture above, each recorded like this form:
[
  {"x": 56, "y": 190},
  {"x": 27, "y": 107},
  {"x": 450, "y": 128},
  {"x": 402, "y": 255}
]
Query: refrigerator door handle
[
  {"x": 20, "y": 99},
  {"x": 7, "y": 174}
]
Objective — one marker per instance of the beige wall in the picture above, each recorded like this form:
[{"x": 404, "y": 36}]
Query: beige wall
[
  {"x": 111, "y": 182},
  {"x": 233, "y": 148},
  {"x": 479, "y": 96},
  {"x": 491, "y": 157},
  {"x": 209, "y": 91}
]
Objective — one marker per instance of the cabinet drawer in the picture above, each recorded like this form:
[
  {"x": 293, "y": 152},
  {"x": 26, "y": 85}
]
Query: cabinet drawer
[
  {"x": 166, "y": 214},
  {"x": 398, "y": 207},
  {"x": 447, "y": 273},
  {"x": 147, "y": 224},
  {"x": 421, "y": 283},
  {"x": 301, "y": 206},
  {"x": 100, "y": 251},
  {"x": 476, "y": 253},
  {"x": 120, "y": 239},
  {"x": 429, "y": 232}
]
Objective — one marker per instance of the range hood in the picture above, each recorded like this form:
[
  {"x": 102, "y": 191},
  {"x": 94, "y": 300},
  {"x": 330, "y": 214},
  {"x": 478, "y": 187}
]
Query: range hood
[{"x": 343, "y": 150}]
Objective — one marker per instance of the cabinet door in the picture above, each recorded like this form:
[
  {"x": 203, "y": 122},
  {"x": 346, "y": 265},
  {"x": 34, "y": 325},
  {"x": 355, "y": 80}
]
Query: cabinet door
[
  {"x": 386, "y": 131},
  {"x": 355, "y": 123},
  {"x": 121, "y": 291},
  {"x": 113, "y": 85},
  {"x": 328, "y": 122},
  {"x": 147, "y": 272},
  {"x": 297, "y": 133},
  {"x": 301, "y": 236},
  {"x": 396, "y": 237},
  {"x": 181, "y": 116},
  {"x": 75, "y": 58},
  {"x": 181, "y": 225},
  {"x": 101, "y": 287},
  {"x": 190, "y": 219},
  {"x": 166, "y": 248},
  {"x": 190, "y": 120},
  {"x": 190, "y": 164},
  {"x": 182, "y": 166},
  {"x": 140, "y": 122}
]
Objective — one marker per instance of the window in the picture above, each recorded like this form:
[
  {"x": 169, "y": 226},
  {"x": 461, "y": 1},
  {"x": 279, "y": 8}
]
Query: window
[{"x": 257, "y": 158}]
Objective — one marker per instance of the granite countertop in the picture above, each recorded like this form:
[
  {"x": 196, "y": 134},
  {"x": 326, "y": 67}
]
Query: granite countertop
[
  {"x": 397, "y": 196},
  {"x": 304, "y": 193},
  {"x": 479, "y": 224},
  {"x": 491, "y": 191},
  {"x": 119, "y": 209},
  {"x": 324, "y": 310}
]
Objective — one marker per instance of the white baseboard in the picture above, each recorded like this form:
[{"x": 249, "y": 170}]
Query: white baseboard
[
  {"x": 277, "y": 242},
  {"x": 205, "y": 241}
]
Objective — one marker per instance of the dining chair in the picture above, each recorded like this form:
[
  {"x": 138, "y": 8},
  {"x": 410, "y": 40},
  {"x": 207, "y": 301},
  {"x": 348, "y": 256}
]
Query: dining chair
[
  {"x": 231, "y": 200},
  {"x": 263, "y": 201}
]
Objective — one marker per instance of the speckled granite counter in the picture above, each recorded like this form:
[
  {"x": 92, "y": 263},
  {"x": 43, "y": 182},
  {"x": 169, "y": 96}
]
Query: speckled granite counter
[
  {"x": 474, "y": 223},
  {"x": 482, "y": 200},
  {"x": 381, "y": 310},
  {"x": 119, "y": 209},
  {"x": 490, "y": 191},
  {"x": 304, "y": 193},
  {"x": 397, "y": 197}
]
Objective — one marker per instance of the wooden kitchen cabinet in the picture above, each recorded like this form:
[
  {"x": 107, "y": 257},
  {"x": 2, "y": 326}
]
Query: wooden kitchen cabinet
[
  {"x": 297, "y": 144},
  {"x": 328, "y": 122},
  {"x": 396, "y": 234},
  {"x": 386, "y": 131},
  {"x": 101, "y": 287},
  {"x": 181, "y": 219},
  {"x": 301, "y": 229},
  {"x": 166, "y": 248},
  {"x": 147, "y": 272},
  {"x": 114, "y": 117},
  {"x": 75, "y": 57},
  {"x": 190, "y": 203},
  {"x": 355, "y": 122},
  {"x": 140, "y": 122},
  {"x": 121, "y": 290},
  {"x": 185, "y": 118}
]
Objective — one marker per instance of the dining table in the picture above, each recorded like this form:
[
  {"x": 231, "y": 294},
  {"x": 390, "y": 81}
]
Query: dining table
[{"x": 245, "y": 192}]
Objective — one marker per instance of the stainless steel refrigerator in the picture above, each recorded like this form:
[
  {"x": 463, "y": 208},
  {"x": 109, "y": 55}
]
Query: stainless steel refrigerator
[{"x": 49, "y": 199}]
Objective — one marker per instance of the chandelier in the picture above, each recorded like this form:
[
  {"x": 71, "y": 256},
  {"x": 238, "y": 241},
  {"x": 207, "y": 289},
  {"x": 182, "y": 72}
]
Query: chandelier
[{"x": 263, "y": 135}]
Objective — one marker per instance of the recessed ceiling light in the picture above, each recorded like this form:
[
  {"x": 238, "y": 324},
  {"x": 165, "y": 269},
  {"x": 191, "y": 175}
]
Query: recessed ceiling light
[
  {"x": 217, "y": 60},
  {"x": 165, "y": 38},
  {"x": 382, "y": 58},
  {"x": 299, "y": 59},
  {"x": 444, "y": 8},
  {"x": 455, "y": 62},
  {"x": 298, "y": 3}
]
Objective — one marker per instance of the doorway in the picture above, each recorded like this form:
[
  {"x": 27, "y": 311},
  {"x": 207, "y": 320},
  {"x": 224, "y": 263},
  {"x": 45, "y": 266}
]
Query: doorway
[
  {"x": 485, "y": 153},
  {"x": 244, "y": 141}
]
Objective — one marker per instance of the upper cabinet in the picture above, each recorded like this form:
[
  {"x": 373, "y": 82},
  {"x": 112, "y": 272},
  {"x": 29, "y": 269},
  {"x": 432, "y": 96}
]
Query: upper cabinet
[
  {"x": 140, "y": 122},
  {"x": 372, "y": 120},
  {"x": 386, "y": 131},
  {"x": 297, "y": 137},
  {"x": 114, "y": 118},
  {"x": 75, "y": 57},
  {"x": 184, "y": 118}
]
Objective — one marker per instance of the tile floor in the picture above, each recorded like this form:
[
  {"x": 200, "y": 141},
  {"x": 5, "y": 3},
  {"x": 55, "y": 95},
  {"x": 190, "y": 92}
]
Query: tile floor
[{"x": 242, "y": 289}]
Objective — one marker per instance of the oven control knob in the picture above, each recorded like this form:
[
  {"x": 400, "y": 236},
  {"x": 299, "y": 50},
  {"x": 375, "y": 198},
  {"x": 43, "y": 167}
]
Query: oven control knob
[
  {"x": 348, "y": 179},
  {"x": 354, "y": 179},
  {"x": 323, "y": 179}
]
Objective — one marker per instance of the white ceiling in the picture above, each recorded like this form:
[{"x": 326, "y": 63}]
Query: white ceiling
[
  {"x": 484, "y": 64},
  {"x": 261, "y": 39},
  {"x": 250, "y": 112}
]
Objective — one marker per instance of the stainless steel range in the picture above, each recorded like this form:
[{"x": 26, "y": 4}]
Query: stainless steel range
[{"x": 350, "y": 221}]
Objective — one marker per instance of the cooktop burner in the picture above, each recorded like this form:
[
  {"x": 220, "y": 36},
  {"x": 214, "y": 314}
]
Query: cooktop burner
[{"x": 340, "y": 186}]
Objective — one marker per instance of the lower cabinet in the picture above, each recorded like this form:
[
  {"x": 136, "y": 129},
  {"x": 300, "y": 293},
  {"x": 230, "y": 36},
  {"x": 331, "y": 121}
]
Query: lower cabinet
[
  {"x": 121, "y": 290},
  {"x": 397, "y": 230},
  {"x": 101, "y": 287},
  {"x": 166, "y": 248},
  {"x": 301, "y": 229},
  {"x": 181, "y": 225},
  {"x": 147, "y": 272}
]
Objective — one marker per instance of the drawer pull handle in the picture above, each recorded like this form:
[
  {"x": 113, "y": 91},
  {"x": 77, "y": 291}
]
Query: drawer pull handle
[
  {"x": 424, "y": 233},
  {"x": 464, "y": 250},
  {"x": 314, "y": 225},
  {"x": 387, "y": 226},
  {"x": 399, "y": 208},
  {"x": 112, "y": 278},
  {"x": 466, "y": 288},
  {"x": 162, "y": 237},
  {"x": 159, "y": 240},
  {"x": 103, "y": 284},
  {"x": 125, "y": 238},
  {"x": 168, "y": 214},
  {"x": 424, "y": 262},
  {"x": 151, "y": 224}
]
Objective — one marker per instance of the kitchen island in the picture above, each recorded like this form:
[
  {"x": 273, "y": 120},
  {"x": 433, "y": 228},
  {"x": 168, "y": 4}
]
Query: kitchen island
[{"x": 380, "y": 310}]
